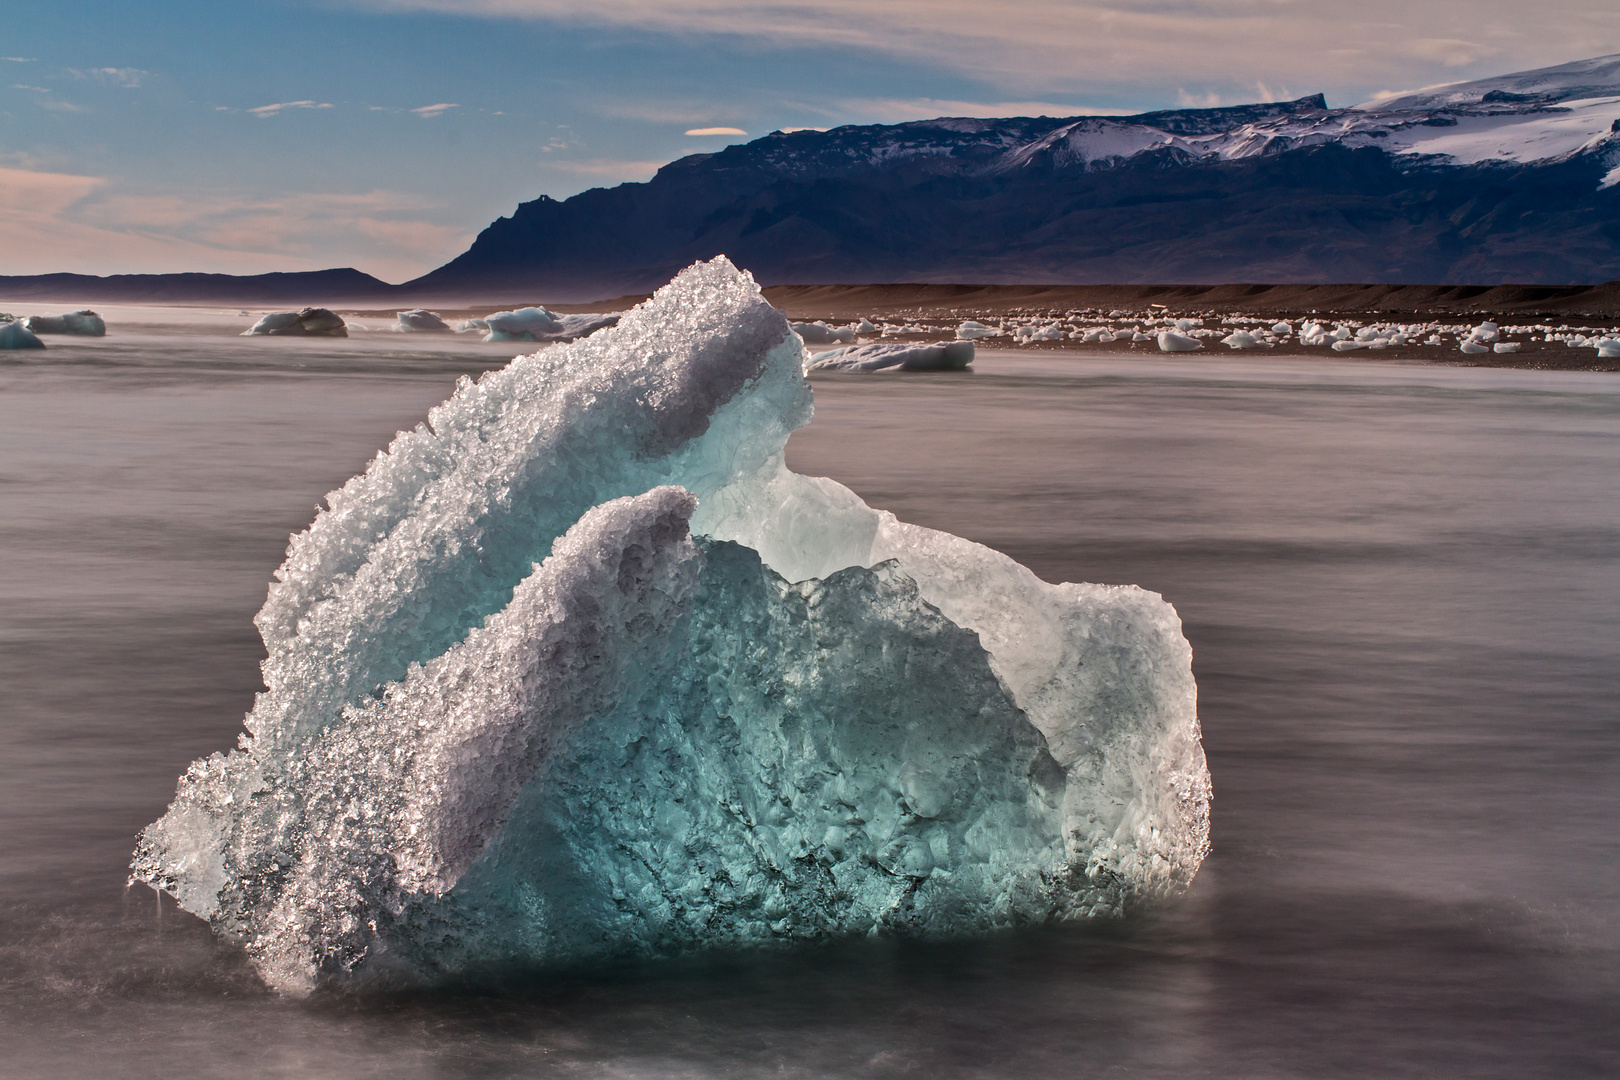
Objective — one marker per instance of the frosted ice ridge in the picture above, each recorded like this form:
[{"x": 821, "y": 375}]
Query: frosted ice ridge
[
  {"x": 940, "y": 356},
  {"x": 580, "y": 670}
]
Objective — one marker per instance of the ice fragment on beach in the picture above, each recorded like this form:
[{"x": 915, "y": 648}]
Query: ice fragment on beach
[
  {"x": 972, "y": 330},
  {"x": 528, "y": 701},
  {"x": 1170, "y": 341}
]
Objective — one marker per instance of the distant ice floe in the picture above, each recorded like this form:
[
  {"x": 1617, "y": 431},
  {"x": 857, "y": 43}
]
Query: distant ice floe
[
  {"x": 83, "y": 323},
  {"x": 539, "y": 325},
  {"x": 941, "y": 356},
  {"x": 819, "y": 333},
  {"x": 417, "y": 321},
  {"x": 308, "y": 322},
  {"x": 579, "y": 670}
]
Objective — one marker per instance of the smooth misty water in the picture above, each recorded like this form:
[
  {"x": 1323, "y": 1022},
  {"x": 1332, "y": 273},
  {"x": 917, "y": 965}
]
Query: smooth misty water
[{"x": 1402, "y": 587}]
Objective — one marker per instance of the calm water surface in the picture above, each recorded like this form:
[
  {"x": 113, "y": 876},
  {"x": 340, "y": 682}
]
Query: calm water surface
[{"x": 1402, "y": 587}]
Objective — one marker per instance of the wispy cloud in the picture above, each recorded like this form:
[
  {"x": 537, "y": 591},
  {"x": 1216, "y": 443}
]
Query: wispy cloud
[
  {"x": 427, "y": 112},
  {"x": 716, "y": 131},
  {"x": 46, "y": 98},
  {"x": 263, "y": 111},
  {"x": 1081, "y": 46},
  {"x": 126, "y": 77},
  {"x": 19, "y": 59}
]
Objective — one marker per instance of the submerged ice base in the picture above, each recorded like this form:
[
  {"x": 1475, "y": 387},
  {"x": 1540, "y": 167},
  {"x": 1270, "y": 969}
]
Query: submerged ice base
[{"x": 579, "y": 670}]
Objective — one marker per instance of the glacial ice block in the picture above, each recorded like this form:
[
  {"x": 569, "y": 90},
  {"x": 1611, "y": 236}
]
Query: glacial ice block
[{"x": 579, "y": 669}]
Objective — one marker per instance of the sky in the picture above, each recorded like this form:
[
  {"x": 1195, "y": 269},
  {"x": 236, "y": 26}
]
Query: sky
[{"x": 248, "y": 136}]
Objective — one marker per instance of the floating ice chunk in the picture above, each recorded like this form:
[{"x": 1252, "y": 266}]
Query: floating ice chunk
[
  {"x": 941, "y": 356},
  {"x": 1169, "y": 341},
  {"x": 1282, "y": 328},
  {"x": 316, "y": 322},
  {"x": 1348, "y": 345},
  {"x": 1140, "y": 336},
  {"x": 819, "y": 333},
  {"x": 1184, "y": 325},
  {"x": 866, "y": 326},
  {"x": 540, "y": 325},
  {"x": 1472, "y": 347},
  {"x": 1506, "y": 347},
  {"x": 1485, "y": 331},
  {"x": 1240, "y": 340},
  {"x": 529, "y": 320},
  {"x": 14, "y": 335},
  {"x": 1608, "y": 348},
  {"x": 84, "y": 323},
  {"x": 527, "y": 702},
  {"x": 418, "y": 321}
]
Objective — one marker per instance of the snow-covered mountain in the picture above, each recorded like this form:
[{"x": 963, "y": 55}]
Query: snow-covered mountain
[{"x": 1514, "y": 178}]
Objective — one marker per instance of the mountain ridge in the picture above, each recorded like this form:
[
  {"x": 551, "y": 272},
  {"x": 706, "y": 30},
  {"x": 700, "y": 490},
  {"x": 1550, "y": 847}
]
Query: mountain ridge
[{"x": 1515, "y": 178}]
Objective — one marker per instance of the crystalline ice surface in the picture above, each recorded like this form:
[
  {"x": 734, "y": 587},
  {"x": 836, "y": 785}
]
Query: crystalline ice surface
[
  {"x": 579, "y": 670},
  {"x": 941, "y": 356}
]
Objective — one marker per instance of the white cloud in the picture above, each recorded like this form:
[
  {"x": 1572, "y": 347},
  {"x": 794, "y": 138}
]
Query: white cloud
[
  {"x": 126, "y": 77},
  {"x": 263, "y": 111},
  {"x": 1082, "y": 46},
  {"x": 717, "y": 131},
  {"x": 430, "y": 111}
]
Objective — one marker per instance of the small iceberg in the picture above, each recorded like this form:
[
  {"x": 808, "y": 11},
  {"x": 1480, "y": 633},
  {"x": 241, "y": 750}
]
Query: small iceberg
[
  {"x": 941, "y": 356},
  {"x": 310, "y": 321},
  {"x": 83, "y": 323},
  {"x": 419, "y": 321},
  {"x": 14, "y": 335},
  {"x": 579, "y": 670}
]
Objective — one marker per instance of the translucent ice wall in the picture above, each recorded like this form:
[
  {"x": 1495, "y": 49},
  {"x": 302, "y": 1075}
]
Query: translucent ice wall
[{"x": 579, "y": 669}]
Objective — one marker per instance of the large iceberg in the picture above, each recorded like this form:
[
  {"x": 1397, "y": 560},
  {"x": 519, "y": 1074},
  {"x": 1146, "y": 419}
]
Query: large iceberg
[{"x": 579, "y": 670}]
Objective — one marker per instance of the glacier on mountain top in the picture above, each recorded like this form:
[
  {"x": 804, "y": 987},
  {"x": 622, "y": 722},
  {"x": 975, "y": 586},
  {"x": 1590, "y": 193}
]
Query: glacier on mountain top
[{"x": 579, "y": 670}]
